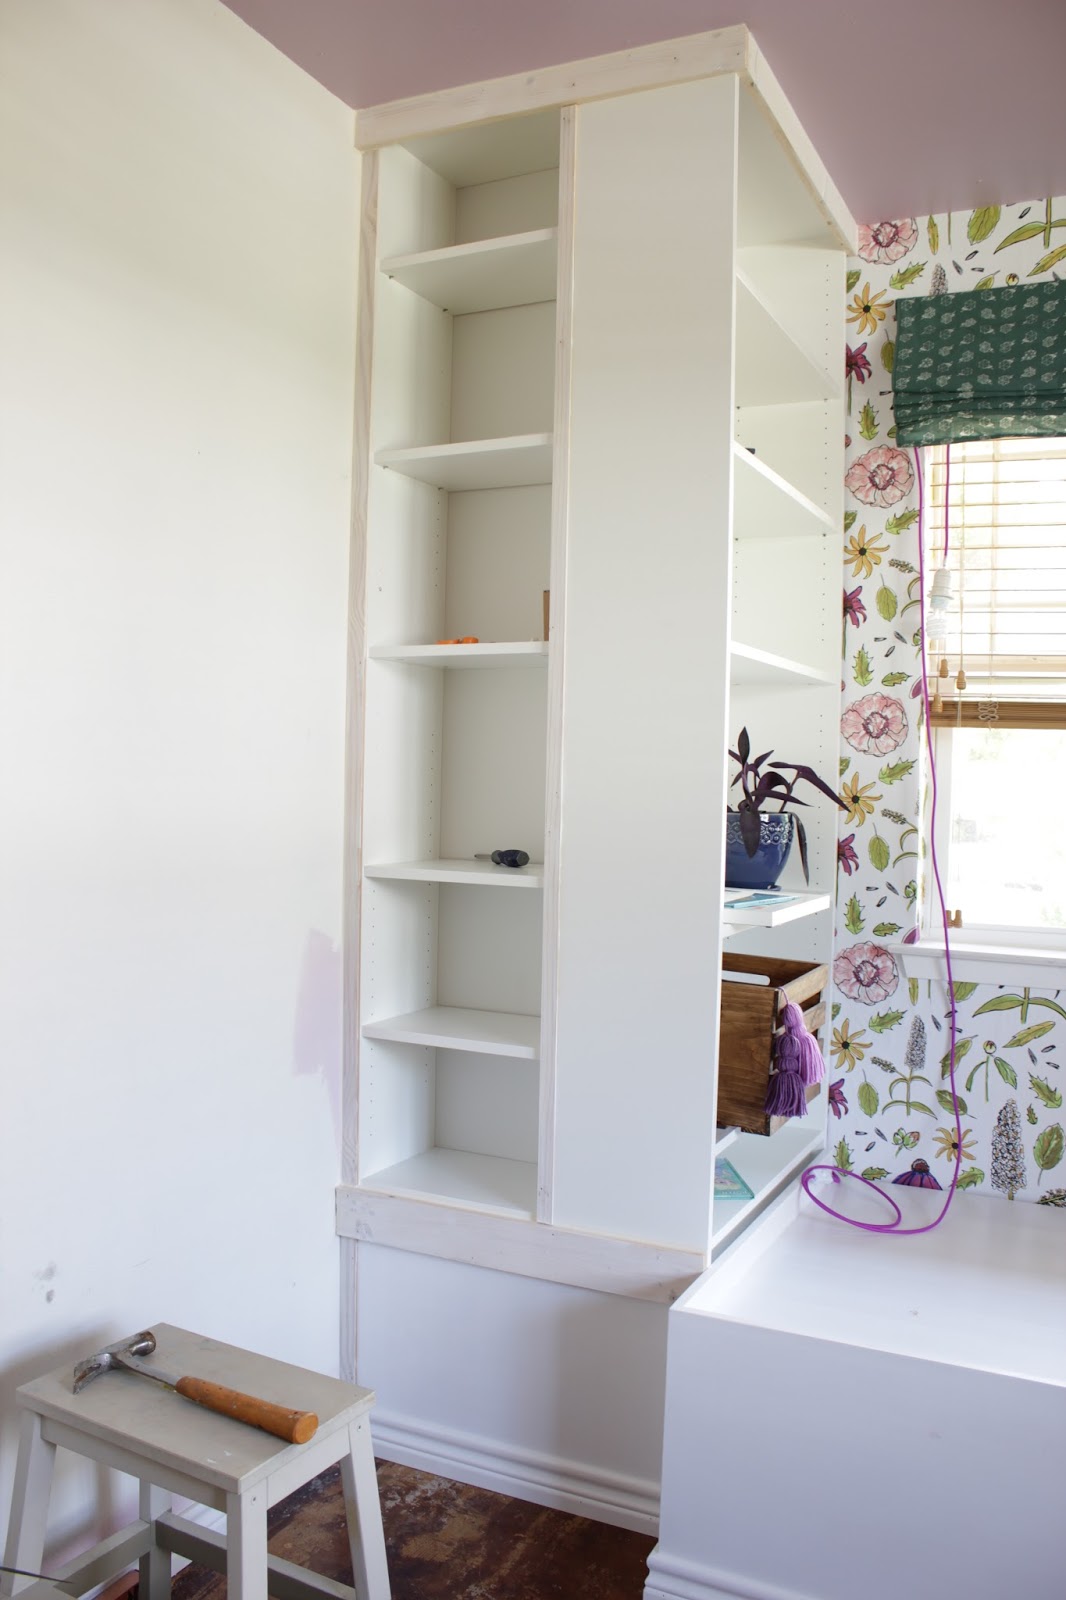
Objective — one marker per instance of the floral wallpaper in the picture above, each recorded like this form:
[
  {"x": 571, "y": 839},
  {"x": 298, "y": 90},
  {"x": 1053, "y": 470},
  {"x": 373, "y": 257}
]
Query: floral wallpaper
[{"x": 889, "y": 1040}]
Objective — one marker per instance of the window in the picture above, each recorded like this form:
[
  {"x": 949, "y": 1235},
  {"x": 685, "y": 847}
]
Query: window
[{"x": 996, "y": 657}]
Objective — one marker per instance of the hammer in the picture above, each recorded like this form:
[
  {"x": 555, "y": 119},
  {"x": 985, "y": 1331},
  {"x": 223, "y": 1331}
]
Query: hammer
[{"x": 294, "y": 1426}]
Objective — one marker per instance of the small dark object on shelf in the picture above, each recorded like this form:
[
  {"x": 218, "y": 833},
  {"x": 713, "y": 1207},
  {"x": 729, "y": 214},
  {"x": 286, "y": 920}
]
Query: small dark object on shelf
[{"x": 505, "y": 858}]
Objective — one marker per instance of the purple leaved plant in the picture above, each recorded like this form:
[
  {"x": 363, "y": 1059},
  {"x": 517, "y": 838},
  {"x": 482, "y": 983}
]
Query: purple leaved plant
[{"x": 764, "y": 788}]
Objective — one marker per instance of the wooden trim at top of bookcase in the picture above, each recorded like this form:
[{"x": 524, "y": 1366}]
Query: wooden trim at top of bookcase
[{"x": 649, "y": 66}]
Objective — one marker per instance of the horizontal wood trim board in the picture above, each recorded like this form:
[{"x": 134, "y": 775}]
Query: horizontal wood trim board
[
  {"x": 627, "y": 1267},
  {"x": 1021, "y": 714},
  {"x": 696, "y": 55}
]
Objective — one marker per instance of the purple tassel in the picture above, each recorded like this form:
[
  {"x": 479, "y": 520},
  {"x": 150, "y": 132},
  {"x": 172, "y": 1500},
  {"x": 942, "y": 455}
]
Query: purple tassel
[{"x": 798, "y": 1063}]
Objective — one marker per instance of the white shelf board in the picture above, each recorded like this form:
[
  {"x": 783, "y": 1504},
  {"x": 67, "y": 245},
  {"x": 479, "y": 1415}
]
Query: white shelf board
[
  {"x": 485, "y": 873},
  {"x": 791, "y": 908},
  {"x": 494, "y": 1033},
  {"x": 514, "y": 463},
  {"x": 517, "y": 653},
  {"x": 766, "y": 1164},
  {"x": 751, "y": 667},
  {"x": 772, "y": 368},
  {"x": 986, "y": 1289},
  {"x": 766, "y": 505},
  {"x": 461, "y": 1178},
  {"x": 518, "y": 270}
]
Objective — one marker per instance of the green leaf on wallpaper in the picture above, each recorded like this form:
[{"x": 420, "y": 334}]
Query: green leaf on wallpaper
[
  {"x": 880, "y": 854},
  {"x": 962, "y": 1048},
  {"x": 963, "y": 991},
  {"x": 891, "y": 679},
  {"x": 853, "y": 919},
  {"x": 1006, "y": 1072},
  {"x": 895, "y": 771},
  {"x": 934, "y": 235},
  {"x": 902, "y": 280},
  {"x": 1028, "y": 230},
  {"x": 1052, "y": 1005},
  {"x": 836, "y": 1010},
  {"x": 1036, "y": 1030},
  {"x": 982, "y": 222},
  {"x": 1000, "y": 1002},
  {"x": 1031, "y": 1116},
  {"x": 842, "y": 1155},
  {"x": 1043, "y": 1091},
  {"x": 868, "y": 421},
  {"x": 881, "y": 1021},
  {"x": 874, "y": 1174},
  {"x": 946, "y": 1103},
  {"x": 1049, "y": 1147},
  {"x": 901, "y": 521},
  {"x": 970, "y": 1178},
  {"x": 1045, "y": 263},
  {"x": 869, "y": 1100},
  {"x": 853, "y": 277},
  {"x": 887, "y": 603},
  {"x": 986, "y": 283},
  {"x": 891, "y": 432},
  {"x": 912, "y": 991},
  {"x": 850, "y": 518},
  {"x": 845, "y": 763},
  {"x": 885, "y": 930},
  {"x": 888, "y": 354},
  {"x": 862, "y": 672}
]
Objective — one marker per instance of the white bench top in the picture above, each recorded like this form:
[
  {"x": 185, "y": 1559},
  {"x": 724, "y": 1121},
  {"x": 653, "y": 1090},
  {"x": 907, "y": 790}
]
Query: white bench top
[
  {"x": 986, "y": 1289},
  {"x": 148, "y": 1420}
]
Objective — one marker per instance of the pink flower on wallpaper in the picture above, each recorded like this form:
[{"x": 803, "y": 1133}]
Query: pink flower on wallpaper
[
  {"x": 881, "y": 477},
  {"x": 875, "y": 724},
  {"x": 887, "y": 241},
  {"x": 866, "y": 972},
  {"x": 838, "y": 1103},
  {"x": 846, "y": 856}
]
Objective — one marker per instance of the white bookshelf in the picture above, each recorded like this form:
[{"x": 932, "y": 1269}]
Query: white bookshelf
[
  {"x": 496, "y": 1033},
  {"x": 512, "y": 463},
  {"x": 485, "y": 275},
  {"x": 482, "y": 874},
  {"x": 751, "y": 666},
  {"x": 767, "y": 506},
  {"x": 462, "y": 1178},
  {"x": 506, "y": 653}
]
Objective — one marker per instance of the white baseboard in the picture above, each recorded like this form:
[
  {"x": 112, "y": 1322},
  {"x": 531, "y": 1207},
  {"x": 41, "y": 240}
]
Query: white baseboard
[
  {"x": 673, "y": 1578},
  {"x": 582, "y": 1490}
]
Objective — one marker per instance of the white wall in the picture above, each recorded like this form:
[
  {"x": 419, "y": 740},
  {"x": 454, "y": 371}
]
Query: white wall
[{"x": 179, "y": 207}]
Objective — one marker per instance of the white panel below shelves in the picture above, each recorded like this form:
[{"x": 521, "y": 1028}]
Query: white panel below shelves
[
  {"x": 511, "y": 463},
  {"x": 506, "y": 653},
  {"x": 749, "y": 666},
  {"x": 483, "y": 276},
  {"x": 766, "y": 505},
  {"x": 483, "y": 873},
  {"x": 461, "y": 1178},
  {"x": 500, "y": 1033}
]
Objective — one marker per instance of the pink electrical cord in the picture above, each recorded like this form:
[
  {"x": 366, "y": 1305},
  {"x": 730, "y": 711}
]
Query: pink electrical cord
[{"x": 838, "y": 1173}]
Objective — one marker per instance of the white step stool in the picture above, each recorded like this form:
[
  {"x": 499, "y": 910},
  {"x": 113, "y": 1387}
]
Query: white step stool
[{"x": 177, "y": 1448}]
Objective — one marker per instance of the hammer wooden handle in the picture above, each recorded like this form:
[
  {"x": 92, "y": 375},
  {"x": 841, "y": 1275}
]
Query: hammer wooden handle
[{"x": 295, "y": 1426}]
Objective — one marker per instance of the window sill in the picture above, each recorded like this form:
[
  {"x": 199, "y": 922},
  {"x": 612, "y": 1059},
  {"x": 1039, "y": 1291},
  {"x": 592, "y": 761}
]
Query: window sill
[{"x": 983, "y": 963}]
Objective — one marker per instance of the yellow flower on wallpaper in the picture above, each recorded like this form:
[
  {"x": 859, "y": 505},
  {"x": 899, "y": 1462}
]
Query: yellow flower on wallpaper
[
  {"x": 866, "y": 309},
  {"x": 863, "y": 553},
  {"x": 947, "y": 1143},
  {"x": 848, "y": 1048},
  {"x": 859, "y": 801}
]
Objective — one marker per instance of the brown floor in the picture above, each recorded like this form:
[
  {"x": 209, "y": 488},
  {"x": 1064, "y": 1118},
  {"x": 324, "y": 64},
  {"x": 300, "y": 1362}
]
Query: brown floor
[{"x": 450, "y": 1542}]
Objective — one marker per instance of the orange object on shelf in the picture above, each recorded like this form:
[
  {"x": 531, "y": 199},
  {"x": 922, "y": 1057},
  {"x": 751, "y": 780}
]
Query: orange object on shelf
[{"x": 471, "y": 638}]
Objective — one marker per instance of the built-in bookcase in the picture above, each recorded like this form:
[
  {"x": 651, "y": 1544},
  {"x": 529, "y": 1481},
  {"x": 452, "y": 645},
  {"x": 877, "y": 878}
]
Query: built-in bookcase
[
  {"x": 458, "y": 548},
  {"x": 589, "y": 375}
]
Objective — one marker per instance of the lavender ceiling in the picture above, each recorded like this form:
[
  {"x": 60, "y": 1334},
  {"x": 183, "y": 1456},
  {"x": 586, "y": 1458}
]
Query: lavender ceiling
[{"x": 914, "y": 105}]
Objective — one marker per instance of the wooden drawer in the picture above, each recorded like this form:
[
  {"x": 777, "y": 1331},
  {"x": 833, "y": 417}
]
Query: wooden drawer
[{"x": 750, "y": 1019}]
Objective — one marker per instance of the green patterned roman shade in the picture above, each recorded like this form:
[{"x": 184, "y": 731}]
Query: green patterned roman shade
[{"x": 985, "y": 364}]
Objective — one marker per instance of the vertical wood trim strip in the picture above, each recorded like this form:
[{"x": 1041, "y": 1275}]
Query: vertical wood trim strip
[
  {"x": 352, "y": 876},
  {"x": 557, "y": 635}
]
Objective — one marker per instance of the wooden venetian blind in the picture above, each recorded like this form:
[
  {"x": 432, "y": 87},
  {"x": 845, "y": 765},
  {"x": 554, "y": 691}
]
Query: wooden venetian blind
[{"x": 999, "y": 654}]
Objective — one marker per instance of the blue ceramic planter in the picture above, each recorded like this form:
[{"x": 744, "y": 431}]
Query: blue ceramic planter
[{"x": 762, "y": 870}]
